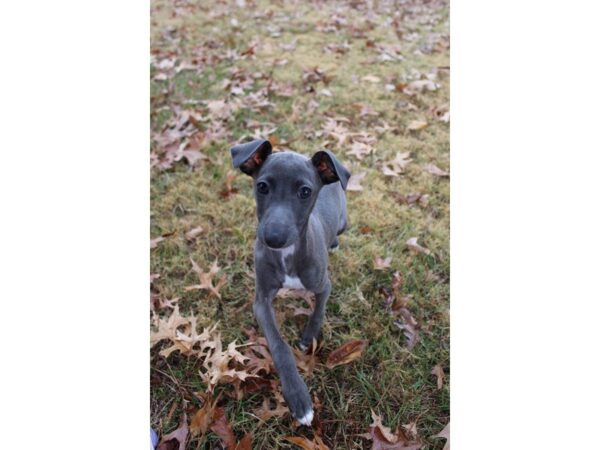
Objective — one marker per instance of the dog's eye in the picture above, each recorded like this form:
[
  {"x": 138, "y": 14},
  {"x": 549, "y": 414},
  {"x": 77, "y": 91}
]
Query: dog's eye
[
  {"x": 262, "y": 187},
  {"x": 304, "y": 192}
]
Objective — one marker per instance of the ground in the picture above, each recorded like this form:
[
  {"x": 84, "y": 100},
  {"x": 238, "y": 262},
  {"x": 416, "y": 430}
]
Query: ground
[{"x": 369, "y": 78}]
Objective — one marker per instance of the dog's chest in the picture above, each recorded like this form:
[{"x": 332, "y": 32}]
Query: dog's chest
[{"x": 290, "y": 281}]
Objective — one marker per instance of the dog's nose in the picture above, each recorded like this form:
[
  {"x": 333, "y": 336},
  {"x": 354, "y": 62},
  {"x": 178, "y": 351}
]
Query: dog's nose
[{"x": 275, "y": 238}]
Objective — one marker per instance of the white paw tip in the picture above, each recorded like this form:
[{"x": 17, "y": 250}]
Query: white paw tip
[
  {"x": 302, "y": 346},
  {"x": 307, "y": 419}
]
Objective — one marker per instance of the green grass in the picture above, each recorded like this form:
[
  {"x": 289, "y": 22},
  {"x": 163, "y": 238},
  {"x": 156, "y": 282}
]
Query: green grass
[{"x": 390, "y": 379}]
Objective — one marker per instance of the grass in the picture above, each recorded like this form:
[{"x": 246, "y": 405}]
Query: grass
[{"x": 389, "y": 379}]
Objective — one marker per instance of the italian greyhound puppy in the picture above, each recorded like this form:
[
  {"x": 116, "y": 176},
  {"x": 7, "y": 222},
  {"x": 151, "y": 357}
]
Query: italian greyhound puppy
[{"x": 301, "y": 208}]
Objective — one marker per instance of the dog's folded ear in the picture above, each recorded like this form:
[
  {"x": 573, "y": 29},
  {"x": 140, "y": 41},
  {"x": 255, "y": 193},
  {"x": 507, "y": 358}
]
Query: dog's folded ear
[
  {"x": 248, "y": 157},
  {"x": 330, "y": 169}
]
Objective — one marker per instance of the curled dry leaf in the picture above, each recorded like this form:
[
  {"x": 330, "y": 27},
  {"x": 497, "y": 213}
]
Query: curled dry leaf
[
  {"x": 371, "y": 79},
  {"x": 441, "y": 113},
  {"x": 416, "y": 125},
  {"x": 439, "y": 373},
  {"x": 154, "y": 242},
  {"x": 176, "y": 439},
  {"x": 382, "y": 264},
  {"x": 415, "y": 247},
  {"x": 347, "y": 353},
  {"x": 435, "y": 170},
  {"x": 409, "y": 327},
  {"x": 306, "y": 361},
  {"x": 384, "y": 439},
  {"x": 445, "y": 433},
  {"x": 307, "y": 444},
  {"x": 193, "y": 233},
  {"x": 203, "y": 418},
  {"x": 355, "y": 180}
]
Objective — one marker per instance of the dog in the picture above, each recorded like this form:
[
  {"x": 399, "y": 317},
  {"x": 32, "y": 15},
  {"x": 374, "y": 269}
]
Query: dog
[{"x": 301, "y": 208}]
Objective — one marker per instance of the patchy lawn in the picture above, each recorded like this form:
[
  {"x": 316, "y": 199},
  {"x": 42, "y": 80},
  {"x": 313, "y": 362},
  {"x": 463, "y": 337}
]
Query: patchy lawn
[{"x": 370, "y": 84}]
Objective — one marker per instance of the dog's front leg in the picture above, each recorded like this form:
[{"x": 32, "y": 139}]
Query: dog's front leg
[
  {"x": 294, "y": 388},
  {"x": 311, "y": 331}
]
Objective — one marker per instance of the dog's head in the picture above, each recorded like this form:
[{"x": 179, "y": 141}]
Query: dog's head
[{"x": 286, "y": 186}]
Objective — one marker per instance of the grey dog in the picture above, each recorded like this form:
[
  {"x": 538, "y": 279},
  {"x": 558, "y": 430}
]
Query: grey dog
[{"x": 301, "y": 208}]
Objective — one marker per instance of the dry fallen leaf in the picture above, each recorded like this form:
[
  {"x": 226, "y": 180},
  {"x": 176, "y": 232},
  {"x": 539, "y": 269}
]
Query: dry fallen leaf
[
  {"x": 259, "y": 358},
  {"x": 384, "y": 439},
  {"x": 411, "y": 429},
  {"x": 217, "y": 362},
  {"x": 307, "y": 444},
  {"x": 397, "y": 165},
  {"x": 346, "y": 353},
  {"x": 371, "y": 79},
  {"x": 409, "y": 327},
  {"x": 445, "y": 433},
  {"x": 193, "y": 233},
  {"x": 154, "y": 242},
  {"x": 415, "y": 247},
  {"x": 229, "y": 190},
  {"x": 439, "y": 373},
  {"x": 410, "y": 199},
  {"x": 203, "y": 418},
  {"x": 245, "y": 443},
  {"x": 359, "y": 150},
  {"x": 265, "y": 412},
  {"x": 382, "y": 264},
  {"x": 416, "y": 125},
  {"x": 167, "y": 329},
  {"x": 206, "y": 279},
  {"x": 176, "y": 439},
  {"x": 157, "y": 302},
  {"x": 418, "y": 86},
  {"x": 306, "y": 360},
  {"x": 222, "y": 428},
  {"x": 355, "y": 180},
  {"x": 435, "y": 170}
]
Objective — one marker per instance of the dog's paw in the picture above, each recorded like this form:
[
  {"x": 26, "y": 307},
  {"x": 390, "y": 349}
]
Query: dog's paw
[
  {"x": 308, "y": 339},
  {"x": 299, "y": 402}
]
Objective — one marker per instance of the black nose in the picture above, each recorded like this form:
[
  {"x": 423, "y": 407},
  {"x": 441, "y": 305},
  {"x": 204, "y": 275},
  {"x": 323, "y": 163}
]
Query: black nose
[{"x": 275, "y": 238}]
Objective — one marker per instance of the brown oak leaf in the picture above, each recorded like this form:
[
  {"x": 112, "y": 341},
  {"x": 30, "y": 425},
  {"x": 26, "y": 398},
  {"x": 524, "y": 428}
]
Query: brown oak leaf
[
  {"x": 347, "y": 353},
  {"x": 176, "y": 439},
  {"x": 206, "y": 279},
  {"x": 384, "y": 439},
  {"x": 307, "y": 444}
]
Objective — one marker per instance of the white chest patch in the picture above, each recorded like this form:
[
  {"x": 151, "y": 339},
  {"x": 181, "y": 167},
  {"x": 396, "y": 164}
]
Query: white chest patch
[{"x": 290, "y": 282}]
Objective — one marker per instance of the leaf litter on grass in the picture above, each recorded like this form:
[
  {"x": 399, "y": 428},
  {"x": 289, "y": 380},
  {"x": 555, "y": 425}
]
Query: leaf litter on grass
[{"x": 368, "y": 82}]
